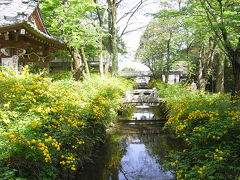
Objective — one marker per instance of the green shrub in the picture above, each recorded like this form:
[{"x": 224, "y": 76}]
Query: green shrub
[
  {"x": 48, "y": 129},
  {"x": 65, "y": 75},
  {"x": 209, "y": 124}
]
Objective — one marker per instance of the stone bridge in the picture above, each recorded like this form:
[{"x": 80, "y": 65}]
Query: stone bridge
[{"x": 142, "y": 97}]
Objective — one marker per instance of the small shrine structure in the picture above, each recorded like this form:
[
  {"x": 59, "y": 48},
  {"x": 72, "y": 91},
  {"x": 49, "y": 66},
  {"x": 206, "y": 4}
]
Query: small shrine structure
[{"x": 24, "y": 36}]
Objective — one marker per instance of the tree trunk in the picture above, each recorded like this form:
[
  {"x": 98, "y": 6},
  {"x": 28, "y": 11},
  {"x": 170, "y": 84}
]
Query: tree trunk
[
  {"x": 237, "y": 78},
  {"x": 179, "y": 4},
  {"x": 46, "y": 65},
  {"x": 100, "y": 19},
  {"x": 201, "y": 71},
  {"x": 203, "y": 74},
  {"x": 107, "y": 64},
  {"x": 236, "y": 74},
  {"x": 83, "y": 57},
  {"x": 77, "y": 65},
  {"x": 207, "y": 55},
  {"x": 166, "y": 74},
  {"x": 113, "y": 49},
  {"x": 220, "y": 59},
  {"x": 101, "y": 68},
  {"x": 202, "y": 82},
  {"x": 168, "y": 57},
  {"x": 166, "y": 78}
]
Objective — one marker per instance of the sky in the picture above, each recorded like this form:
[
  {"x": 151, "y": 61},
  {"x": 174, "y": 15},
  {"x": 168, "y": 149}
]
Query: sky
[{"x": 132, "y": 39}]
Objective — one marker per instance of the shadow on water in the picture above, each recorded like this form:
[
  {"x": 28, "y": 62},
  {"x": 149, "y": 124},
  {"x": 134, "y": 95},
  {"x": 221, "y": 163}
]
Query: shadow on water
[{"x": 132, "y": 154}]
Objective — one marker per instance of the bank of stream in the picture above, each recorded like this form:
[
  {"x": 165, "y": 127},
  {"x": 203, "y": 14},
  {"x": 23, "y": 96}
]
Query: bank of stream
[{"x": 136, "y": 147}]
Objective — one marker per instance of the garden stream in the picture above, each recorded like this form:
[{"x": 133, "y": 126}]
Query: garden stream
[{"x": 136, "y": 146}]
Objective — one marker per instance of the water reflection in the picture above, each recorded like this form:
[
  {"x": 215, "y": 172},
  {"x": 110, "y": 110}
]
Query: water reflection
[
  {"x": 134, "y": 156},
  {"x": 138, "y": 164},
  {"x": 143, "y": 112}
]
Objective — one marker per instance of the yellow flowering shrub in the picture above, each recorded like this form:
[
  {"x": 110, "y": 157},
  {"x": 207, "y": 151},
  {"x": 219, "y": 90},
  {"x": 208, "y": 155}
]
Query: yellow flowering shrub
[
  {"x": 48, "y": 129},
  {"x": 209, "y": 125}
]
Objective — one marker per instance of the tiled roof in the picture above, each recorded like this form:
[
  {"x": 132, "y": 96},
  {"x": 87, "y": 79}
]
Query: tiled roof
[{"x": 14, "y": 12}]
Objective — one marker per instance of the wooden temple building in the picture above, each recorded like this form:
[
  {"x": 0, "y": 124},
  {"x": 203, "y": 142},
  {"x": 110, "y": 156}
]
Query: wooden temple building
[{"x": 23, "y": 34}]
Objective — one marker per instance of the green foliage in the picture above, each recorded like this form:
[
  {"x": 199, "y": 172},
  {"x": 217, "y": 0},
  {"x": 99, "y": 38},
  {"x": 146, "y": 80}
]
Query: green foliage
[
  {"x": 8, "y": 174},
  {"x": 221, "y": 17},
  {"x": 158, "y": 45},
  {"x": 202, "y": 32},
  {"x": 35, "y": 67},
  {"x": 73, "y": 21},
  {"x": 209, "y": 125},
  {"x": 49, "y": 129},
  {"x": 65, "y": 75}
]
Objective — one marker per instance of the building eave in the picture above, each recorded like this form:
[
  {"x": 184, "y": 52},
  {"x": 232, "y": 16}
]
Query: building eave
[{"x": 51, "y": 40}]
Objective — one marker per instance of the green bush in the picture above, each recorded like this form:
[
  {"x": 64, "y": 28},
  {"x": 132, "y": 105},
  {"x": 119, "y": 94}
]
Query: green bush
[
  {"x": 65, "y": 75},
  {"x": 48, "y": 129},
  {"x": 209, "y": 125}
]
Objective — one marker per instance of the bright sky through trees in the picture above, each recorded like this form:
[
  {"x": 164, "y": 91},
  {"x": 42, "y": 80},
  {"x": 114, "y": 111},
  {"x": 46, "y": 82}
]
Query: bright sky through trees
[{"x": 132, "y": 39}]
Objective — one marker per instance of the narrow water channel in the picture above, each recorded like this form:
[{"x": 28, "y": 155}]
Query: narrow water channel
[
  {"x": 132, "y": 152},
  {"x": 136, "y": 147},
  {"x": 140, "y": 160}
]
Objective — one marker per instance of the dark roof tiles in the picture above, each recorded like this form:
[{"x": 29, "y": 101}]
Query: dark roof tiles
[
  {"x": 18, "y": 11},
  {"x": 15, "y": 11}
]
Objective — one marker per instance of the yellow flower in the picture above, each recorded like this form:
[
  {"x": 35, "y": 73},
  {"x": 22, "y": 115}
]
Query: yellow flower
[
  {"x": 33, "y": 141},
  {"x": 62, "y": 162},
  {"x": 73, "y": 168},
  {"x": 12, "y": 136},
  {"x": 47, "y": 159},
  {"x": 6, "y": 133}
]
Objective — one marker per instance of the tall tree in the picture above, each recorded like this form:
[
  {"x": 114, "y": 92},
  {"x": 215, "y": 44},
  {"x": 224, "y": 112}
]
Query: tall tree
[
  {"x": 73, "y": 21},
  {"x": 219, "y": 72},
  {"x": 112, "y": 25},
  {"x": 114, "y": 19},
  {"x": 223, "y": 19},
  {"x": 101, "y": 17},
  {"x": 199, "y": 45},
  {"x": 158, "y": 45}
]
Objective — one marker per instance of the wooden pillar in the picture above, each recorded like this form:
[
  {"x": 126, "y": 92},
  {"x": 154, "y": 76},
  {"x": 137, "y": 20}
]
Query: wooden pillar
[{"x": 46, "y": 65}]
